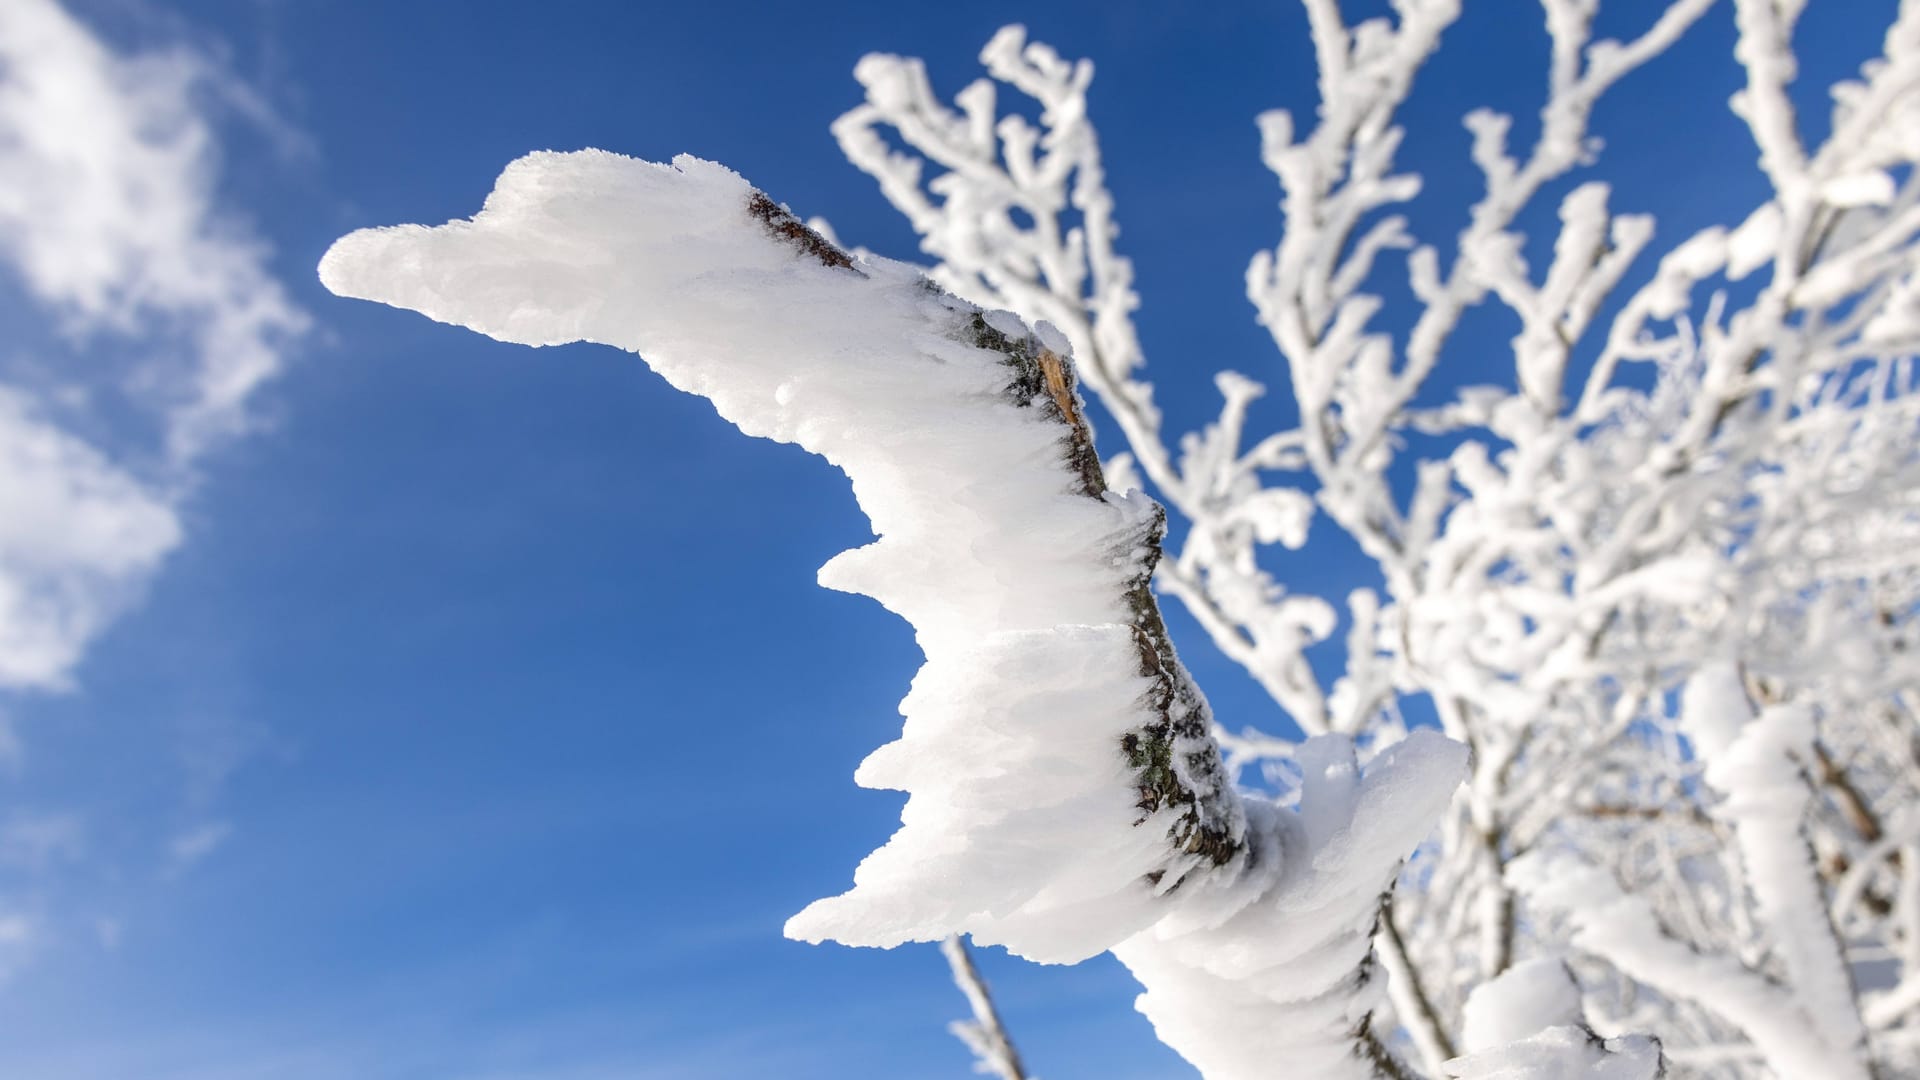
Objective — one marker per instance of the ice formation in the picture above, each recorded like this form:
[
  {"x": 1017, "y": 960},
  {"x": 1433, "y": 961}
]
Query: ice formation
[
  {"x": 1065, "y": 797},
  {"x": 1527, "y": 1024}
]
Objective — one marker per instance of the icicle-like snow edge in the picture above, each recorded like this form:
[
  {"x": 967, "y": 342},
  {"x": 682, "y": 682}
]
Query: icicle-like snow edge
[
  {"x": 1056, "y": 755},
  {"x": 1064, "y": 795}
]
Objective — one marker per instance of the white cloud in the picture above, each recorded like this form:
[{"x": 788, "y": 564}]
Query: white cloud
[
  {"x": 19, "y": 937},
  {"x": 108, "y": 219},
  {"x": 109, "y": 932},
  {"x": 77, "y": 538},
  {"x": 31, "y": 841},
  {"x": 198, "y": 842}
]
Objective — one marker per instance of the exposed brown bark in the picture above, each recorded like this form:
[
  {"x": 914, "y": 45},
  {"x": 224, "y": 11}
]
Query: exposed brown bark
[
  {"x": 781, "y": 223},
  {"x": 1174, "y": 758},
  {"x": 1852, "y": 804}
]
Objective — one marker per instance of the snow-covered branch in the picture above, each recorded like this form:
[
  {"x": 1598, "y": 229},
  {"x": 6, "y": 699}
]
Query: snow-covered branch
[
  {"x": 1667, "y": 615},
  {"x": 1586, "y": 545},
  {"x": 1064, "y": 796},
  {"x": 1022, "y": 219}
]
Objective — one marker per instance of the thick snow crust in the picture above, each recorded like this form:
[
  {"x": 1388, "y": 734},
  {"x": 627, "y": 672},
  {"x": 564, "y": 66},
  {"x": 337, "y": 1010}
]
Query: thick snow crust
[
  {"x": 1022, "y": 825},
  {"x": 1217, "y": 979},
  {"x": 1526, "y": 1024},
  {"x": 1019, "y": 828}
]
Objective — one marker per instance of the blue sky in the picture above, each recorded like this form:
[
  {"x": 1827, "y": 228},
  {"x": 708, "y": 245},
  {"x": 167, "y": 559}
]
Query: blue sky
[{"x": 485, "y": 720}]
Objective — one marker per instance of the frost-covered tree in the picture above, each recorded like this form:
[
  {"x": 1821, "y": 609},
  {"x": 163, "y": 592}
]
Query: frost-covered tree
[{"x": 1658, "y": 589}]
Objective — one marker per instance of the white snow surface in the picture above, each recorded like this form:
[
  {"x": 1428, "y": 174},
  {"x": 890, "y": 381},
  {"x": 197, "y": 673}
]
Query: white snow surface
[
  {"x": 1756, "y": 762},
  {"x": 1215, "y": 980},
  {"x": 1567, "y": 1052},
  {"x": 1527, "y": 998},
  {"x": 1020, "y": 827},
  {"x": 1526, "y": 1024},
  {"x": 1609, "y": 922},
  {"x": 1714, "y": 709}
]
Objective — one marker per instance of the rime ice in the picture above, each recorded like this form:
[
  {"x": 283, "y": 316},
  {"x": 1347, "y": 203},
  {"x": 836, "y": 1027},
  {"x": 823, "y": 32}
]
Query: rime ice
[{"x": 1021, "y": 576}]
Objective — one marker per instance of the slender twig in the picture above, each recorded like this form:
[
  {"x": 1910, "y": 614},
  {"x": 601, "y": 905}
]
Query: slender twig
[
  {"x": 1410, "y": 1001},
  {"x": 985, "y": 1034}
]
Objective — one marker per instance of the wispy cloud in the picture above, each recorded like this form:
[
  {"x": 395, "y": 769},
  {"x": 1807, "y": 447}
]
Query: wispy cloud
[
  {"x": 169, "y": 317},
  {"x": 31, "y": 841},
  {"x": 19, "y": 936},
  {"x": 78, "y": 536},
  {"x": 198, "y": 842},
  {"x": 143, "y": 319}
]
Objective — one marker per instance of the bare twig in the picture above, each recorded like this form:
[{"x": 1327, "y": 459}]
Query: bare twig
[{"x": 985, "y": 1034}]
